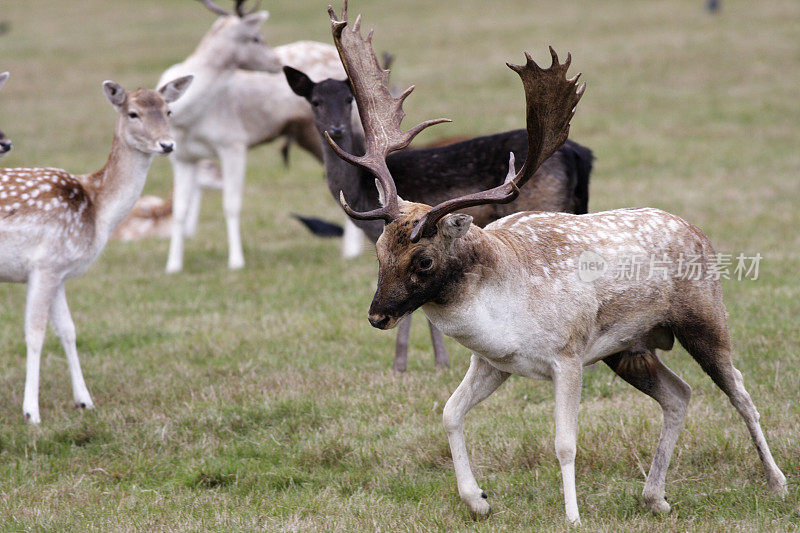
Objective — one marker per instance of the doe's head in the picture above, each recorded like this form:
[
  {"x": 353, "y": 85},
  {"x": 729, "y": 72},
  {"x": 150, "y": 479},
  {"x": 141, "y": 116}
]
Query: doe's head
[
  {"x": 411, "y": 274},
  {"x": 144, "y": 114},
  {"x": 5, "y": 143},
  {"x": 331, "y": 102}
]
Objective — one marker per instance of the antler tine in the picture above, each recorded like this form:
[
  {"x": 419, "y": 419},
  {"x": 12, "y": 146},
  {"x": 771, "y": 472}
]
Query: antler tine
[
  {"x": 550, "y": 101},
  {"x": 214, "y": 8},
  {"x": 381, "y": 113}
]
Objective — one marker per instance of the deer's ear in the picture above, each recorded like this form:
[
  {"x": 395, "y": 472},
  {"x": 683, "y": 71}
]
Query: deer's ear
[
  {"x": 299, "y": 82},
  {"x": 3, "y": 78},
  {"x": 115, "y": 93},
  {"x": 454, "y": 226},
  {"x": 255, "y": 20},
  {"x": 382, "y": 197},
  {"x": 173, "y": 90}
]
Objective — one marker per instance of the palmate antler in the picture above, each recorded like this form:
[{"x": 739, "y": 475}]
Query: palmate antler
[
  {"x": 551, "y": 99},
  {"x": 239, "y": 9},
  {"x": 381, "y": 113}
]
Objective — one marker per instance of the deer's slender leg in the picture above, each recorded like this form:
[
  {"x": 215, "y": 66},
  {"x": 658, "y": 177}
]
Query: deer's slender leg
[
  {"x": 352, "y": 240},
  {"x": 439, "y": 351},
  {"x": 708, "y": 342},
  {"x": 481, "y": 380},
  {"x": 61, "y": 321},
  {"x": 41, "y": 289},
  {"x": 651, "y": 376},
  {"x": 233, "y": 161},
  {"x": 401, "y": 345},
  {"x": 567, "y": 379},
  {"x": 184, "y": 183},
  {"x": 193, "y": 212}
]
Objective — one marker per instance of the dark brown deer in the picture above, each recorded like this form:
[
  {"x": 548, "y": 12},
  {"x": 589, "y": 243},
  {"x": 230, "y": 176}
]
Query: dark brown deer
[
  {"x": 433, "y": 175},
  {"x": 511, "y": 292}
]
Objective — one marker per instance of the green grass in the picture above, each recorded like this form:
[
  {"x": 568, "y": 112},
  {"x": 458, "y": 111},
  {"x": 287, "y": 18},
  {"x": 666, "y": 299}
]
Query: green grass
[{"x": 263, "y": 399}]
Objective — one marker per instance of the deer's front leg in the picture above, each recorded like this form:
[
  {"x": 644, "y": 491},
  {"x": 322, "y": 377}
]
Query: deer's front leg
[
  {"x": 481, "y": 380},
  {"x": 41, "y": 288},
  {"x": 567, "y": 380},
  {"x": 184, "y": 182},
  {"x": 64, "y": 327},
  {"x": 233, "y": 161}
]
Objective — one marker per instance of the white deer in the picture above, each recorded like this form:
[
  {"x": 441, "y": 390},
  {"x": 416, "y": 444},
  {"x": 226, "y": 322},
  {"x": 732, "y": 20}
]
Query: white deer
[
  {"x": 54, "y": 224},
  {"x": 237, "y": 101},
  {"x": 5, "y": 143},
  {"x": 512, "y": 292}
]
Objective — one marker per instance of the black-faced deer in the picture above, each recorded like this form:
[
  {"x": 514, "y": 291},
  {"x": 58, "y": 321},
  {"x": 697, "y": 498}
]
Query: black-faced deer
[
  {"x": 435, "y": 174},
  {"x": 5, "y": 142},
  {"x": 511, "y": 292},
  {"x": 240, "y": 99},
  {"x": 54, "y": 224}
]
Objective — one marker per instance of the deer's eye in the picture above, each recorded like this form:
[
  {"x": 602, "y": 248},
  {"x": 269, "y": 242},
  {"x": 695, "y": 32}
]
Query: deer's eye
[
  {"x": 257, "y": 40},
  {"x": 133, "y": 115},
  {"x": 350, "y": 100},
  {"x": 169, "y": 113},
  {"x": 315, "y": 103},
  {"x": 425, "y": 263}
]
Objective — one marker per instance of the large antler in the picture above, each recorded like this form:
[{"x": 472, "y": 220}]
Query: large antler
[
  {"x": 551, "y": 99},
  {"x": 381, "y": 114}
]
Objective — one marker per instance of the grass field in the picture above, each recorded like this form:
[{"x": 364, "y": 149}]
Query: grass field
[{"x": 262, "y": 399}]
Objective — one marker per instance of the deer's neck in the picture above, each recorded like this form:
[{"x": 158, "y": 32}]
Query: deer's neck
[
  {"x": 116, "y": 187},
  {"x": 358, "y": 186}
]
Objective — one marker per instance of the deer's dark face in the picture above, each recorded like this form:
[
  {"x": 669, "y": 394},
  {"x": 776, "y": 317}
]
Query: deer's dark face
[
  {"x": 413, "y": 274},
  {"x": 331, "y": 101}
]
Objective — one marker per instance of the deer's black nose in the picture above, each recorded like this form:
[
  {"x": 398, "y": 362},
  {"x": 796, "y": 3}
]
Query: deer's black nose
[
  {"x": 379, "y": 321},
  {"x": 336, "y": 131},
  {"x": 5, "y": 146},
  {"x": 167, "y": 147}
]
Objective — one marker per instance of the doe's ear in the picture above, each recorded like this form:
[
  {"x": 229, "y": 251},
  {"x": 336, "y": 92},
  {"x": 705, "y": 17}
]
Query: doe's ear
[
  {"x": 115, "y": 93},
  {"x": 173, "y": 90},
  {"x": 454, "y": 226},
  {"x": 299, "y": 82},
  {"x": 255, "y": 20},
  {"x": 3, "y": 77}
]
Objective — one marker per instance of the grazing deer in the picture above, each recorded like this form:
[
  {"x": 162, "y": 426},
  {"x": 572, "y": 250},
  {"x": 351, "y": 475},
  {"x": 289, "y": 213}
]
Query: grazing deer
[
  {"x": 54, "y": 224},
  {"x": 511, "y": 292},
  {"x": 239, "y": 100},
  {"x": 433, "y": 175},
  {"x": 5, "y": 142}
]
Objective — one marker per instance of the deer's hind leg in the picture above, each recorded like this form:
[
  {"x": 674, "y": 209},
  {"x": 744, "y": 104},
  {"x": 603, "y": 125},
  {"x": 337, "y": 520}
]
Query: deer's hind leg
[
  {"x": 642, "y": 368},
  {"x": 703, "y": 331}
]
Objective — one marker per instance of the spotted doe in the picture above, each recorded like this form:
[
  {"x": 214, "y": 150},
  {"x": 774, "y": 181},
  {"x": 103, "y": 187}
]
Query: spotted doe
[
  {"x": 5, "y": 142},
  {"x": 512, "y": 294},
  {"x": 54, "y": 224}
]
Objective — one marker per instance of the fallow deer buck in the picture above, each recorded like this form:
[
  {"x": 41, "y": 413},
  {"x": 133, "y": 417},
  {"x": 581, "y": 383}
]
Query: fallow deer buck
[
  {"x": 239, "y": 100},
  {"x": 512, "y": 294},
  {"x": 5, "y": 143},
  {"x": 54, "y": 224},
  {"x": 433, "y": 175}
]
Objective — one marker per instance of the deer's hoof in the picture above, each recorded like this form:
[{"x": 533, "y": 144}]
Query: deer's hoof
[
  {"x": 657, "y": 505},
  {"x": 479, "y": 509},
  {"x": 778, "y": 486}
]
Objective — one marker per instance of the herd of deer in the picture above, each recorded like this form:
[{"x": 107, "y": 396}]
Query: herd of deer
[{"x": 492, "y": 264}]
